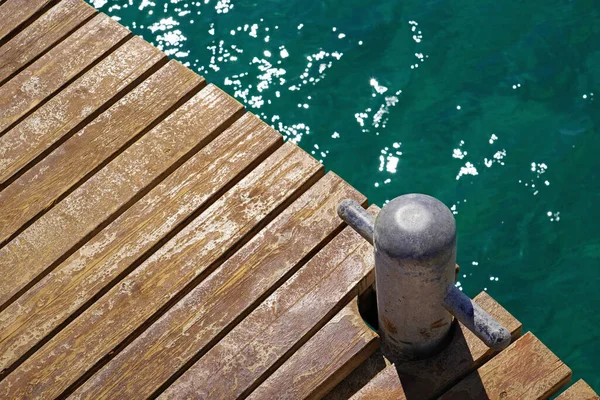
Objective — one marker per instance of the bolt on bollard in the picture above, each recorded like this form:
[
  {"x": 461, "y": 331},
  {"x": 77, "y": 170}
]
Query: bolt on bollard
[{"x": 414, "y": 237}]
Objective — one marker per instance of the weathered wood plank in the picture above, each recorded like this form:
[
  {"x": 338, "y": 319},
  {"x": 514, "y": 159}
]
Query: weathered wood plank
[
  {"x": 428, "y": 378},
  {"x": 92, "y": 147},
  {"x": 385, "y": 385},
  {"x": 226, "y": 296},
  {"x": 327, "y": 358},
  {"x": 17, "y": 13},
  {"x": 525, "y": 370},
  {"x": 57, "y": 67},
  {"x": 70, "y": 109},
  {"x": 102, "y": 198},
  {"x": 57, "y": 120},
  {"x": 282, "y": 323},
  {"x": 41, "y": 35},
  {"x": 579, "y": 391},
  {"x": 123, "y": 244},
  {"x": 200, "y": 247}
]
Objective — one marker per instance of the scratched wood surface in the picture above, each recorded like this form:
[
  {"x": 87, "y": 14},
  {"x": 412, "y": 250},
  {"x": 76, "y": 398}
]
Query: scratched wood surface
[
  {"x": 16, "y": 13},
  {"x": 158, "y": 241},
  {"x": 579, "y": 391},
  {"x": 123, "y": 243},
  {"x": 328, "y": 357},
  {"x": 224, "y": 297},
  {"x": 41, "y": 35},
  {"x": 247, "y": 355},
  {"x": 525, "y": 370},
  {"x": 428, "y": 378},
  {"x": 93, "y": 146},
  {"x": 57, "y": 67},
  {"x": 113, "y": 189},
  {"x": 77, "y": 103}
]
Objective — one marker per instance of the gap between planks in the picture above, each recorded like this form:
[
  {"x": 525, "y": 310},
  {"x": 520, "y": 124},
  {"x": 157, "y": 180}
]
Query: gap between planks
[
  {"x": 105, "y": 196},
  {"x": 282, "y": 323},
  {"x": 142, "y": 229},
  {"x": 96, "y": 350},
  {"x": 18, "y": 15},
  {"x": 30, "y": 142},
  {"x": 226, "y": 297},
  {"x": 426, "y": 379},
  {"x": 36, "y": 85},
  {"x": 42, "y": 35}
]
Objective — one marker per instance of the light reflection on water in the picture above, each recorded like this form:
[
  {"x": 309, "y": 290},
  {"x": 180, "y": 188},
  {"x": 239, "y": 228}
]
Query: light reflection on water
[{"x": 489, "y": 107}]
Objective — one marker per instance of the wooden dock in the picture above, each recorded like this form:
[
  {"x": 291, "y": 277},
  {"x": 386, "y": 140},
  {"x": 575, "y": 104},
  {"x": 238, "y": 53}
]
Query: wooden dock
[{"x": 156, "y": 240}]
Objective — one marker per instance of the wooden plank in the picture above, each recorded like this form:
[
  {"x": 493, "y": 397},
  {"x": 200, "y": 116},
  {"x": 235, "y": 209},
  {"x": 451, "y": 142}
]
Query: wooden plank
[
  {"x": 16, "y": 13},
  {"x": 57, "y": 67},
  {"x": 60, "y": 118},
  {"x": 77, "y": 104},
  {"x": 525, "y": 370},
  {"x": 138, "y": 299},
  {"x": 386, "y": 385},
  {"x": 579, "y": 391},
  {"x": 225, "y": 297},
  {"x": 282, "y": 323},
  {"x": 41, "y": 35},
  {"x": 92, "y": 147},
  {"x": 102, "y": 198},
  {"x": 136, "y": 234},
  {"x": 429, "y": 378},
  {"x": 327, "y": 358}
]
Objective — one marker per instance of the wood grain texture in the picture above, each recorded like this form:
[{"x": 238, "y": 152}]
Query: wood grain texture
[
  {"x": 282, "y": 323},
  {"x": 42, "y": 34},
  {"x": 327, "y": 358},
  {"x": 136, "y": 233},
  {"x": 93, "y": 146},
  {"x": 57, "y": 67},
  {"x": 15, "y": 13},
  {"x": 579, "y": 391},
  {"x": 525, "y": 370},
  {"x": 62, "y": 116},
  {"x": 386, "y": 385},
  {"x": 224, "y": 297},
  {"x": 426, "y": 379},
  {"x": 194, "y": 252},
  {"x": 113, "y": 189},
  {"x": 70, "y": 109}
]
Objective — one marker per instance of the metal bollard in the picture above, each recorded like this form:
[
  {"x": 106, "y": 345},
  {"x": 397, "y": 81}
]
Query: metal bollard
[{"x": 415, "y": 256}]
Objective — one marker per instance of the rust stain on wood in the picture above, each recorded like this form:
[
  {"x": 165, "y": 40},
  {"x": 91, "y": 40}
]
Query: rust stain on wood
[{"x": 429, "y": 378}]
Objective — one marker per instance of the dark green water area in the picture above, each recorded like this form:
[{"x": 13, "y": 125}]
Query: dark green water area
[{"x": 491, "y": 106}]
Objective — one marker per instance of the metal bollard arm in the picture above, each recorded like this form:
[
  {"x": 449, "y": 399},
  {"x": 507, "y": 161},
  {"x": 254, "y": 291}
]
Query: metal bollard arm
[{"x": 477, "y": 320}]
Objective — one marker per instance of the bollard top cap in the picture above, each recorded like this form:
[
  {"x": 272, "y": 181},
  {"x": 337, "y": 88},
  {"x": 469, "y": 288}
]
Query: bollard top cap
[{"x": 415, "y": 227}]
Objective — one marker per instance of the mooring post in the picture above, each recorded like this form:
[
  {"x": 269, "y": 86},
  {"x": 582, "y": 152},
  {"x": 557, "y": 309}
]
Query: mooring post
[{"x": 415, "y": 256}]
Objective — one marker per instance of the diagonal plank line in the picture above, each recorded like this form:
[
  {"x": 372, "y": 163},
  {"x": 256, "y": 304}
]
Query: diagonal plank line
[
  {"x": 209, "y": 201},
  {"x": 48, "y": 48}
]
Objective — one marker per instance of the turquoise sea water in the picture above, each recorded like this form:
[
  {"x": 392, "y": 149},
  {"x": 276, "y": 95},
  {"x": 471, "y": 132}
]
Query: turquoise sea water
[{"x": 492, "y": 107}]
